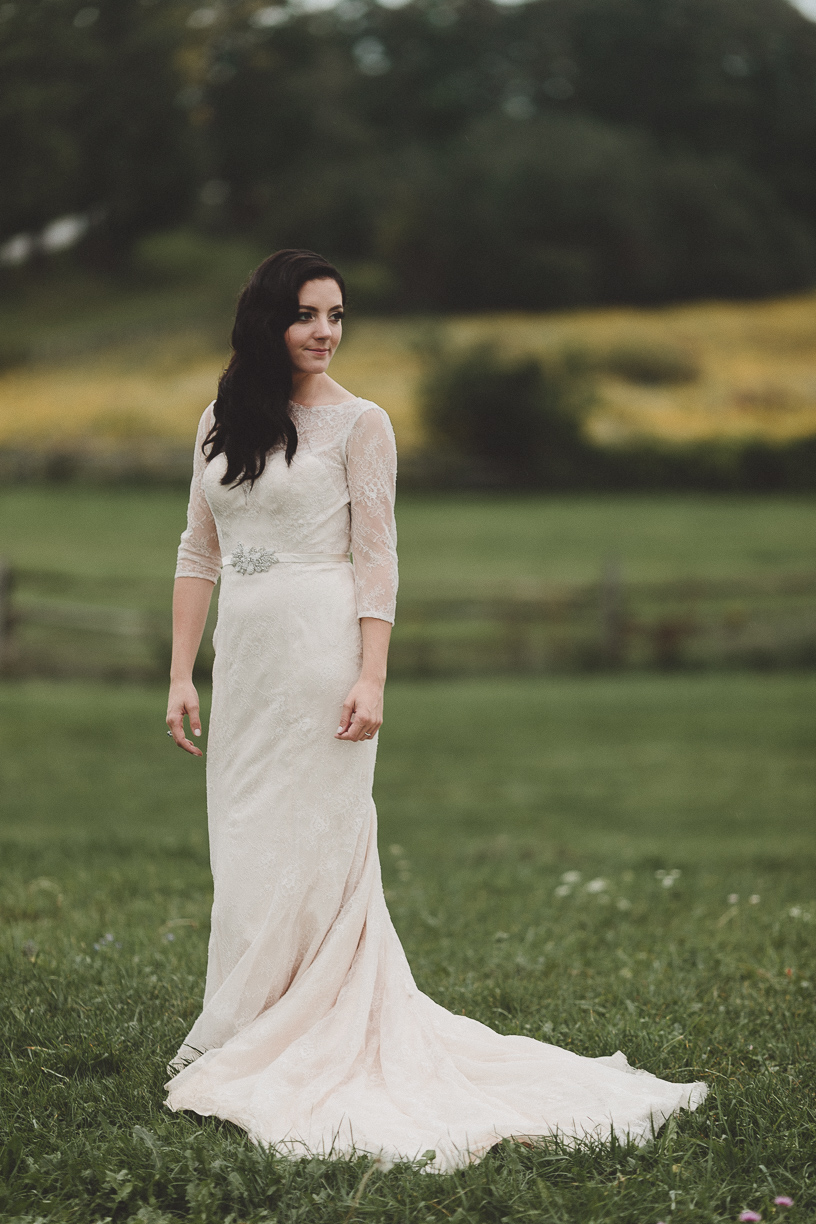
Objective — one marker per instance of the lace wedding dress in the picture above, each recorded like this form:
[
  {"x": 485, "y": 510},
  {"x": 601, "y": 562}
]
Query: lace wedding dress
[{"x": 313, "y": 1036}]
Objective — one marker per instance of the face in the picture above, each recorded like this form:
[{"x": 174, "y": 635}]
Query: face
[{"x": 311, "y": 340}]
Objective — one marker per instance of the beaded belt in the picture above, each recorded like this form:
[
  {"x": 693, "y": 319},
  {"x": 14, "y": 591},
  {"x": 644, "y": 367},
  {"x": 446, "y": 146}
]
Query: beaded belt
[{"x": 259, "y": 560}]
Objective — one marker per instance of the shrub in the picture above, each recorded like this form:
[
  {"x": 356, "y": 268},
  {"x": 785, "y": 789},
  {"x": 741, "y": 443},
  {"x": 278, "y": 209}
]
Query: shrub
[
  {"x": 651, "y": 364},
  {"x": 521, "y": 420},
  {"x": 506, "y": 423},
  {"x": 13, "y": 353}
]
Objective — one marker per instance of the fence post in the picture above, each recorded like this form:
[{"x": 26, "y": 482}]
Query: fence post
[
  {"x": 613, "y": 635},
  {"x": 6, "y": 621},
  {"x": 515, "y": 638}
]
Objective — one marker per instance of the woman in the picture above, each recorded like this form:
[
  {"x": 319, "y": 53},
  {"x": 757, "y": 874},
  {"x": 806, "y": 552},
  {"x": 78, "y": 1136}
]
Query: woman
[{"x": 313, "y": 1035}]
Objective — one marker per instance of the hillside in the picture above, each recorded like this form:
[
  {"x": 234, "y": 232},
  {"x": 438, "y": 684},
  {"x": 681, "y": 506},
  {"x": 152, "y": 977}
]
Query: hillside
[{"x": 115, "y": 365}]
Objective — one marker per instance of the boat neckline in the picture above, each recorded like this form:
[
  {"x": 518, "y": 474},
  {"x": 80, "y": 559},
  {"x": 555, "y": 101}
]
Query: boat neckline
[{"x": 311, "y": 407}]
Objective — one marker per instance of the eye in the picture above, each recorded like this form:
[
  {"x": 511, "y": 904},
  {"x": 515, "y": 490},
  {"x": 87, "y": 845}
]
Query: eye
[
  {"x": 304, "y": 316},
  {"x": 337, "y": 317}
]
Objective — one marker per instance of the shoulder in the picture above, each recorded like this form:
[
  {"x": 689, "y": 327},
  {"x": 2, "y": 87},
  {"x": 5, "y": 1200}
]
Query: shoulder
[
  {"x": 369, "y": 418},
  {"x": 206, "y": 420}
]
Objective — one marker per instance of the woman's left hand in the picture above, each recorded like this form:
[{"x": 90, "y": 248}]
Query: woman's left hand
[{"x": 362, "y": 714}]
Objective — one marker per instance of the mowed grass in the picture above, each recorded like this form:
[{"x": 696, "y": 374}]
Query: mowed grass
[
  {"x": 117, "y": 546},
  {"x": 488, "y": 794}
]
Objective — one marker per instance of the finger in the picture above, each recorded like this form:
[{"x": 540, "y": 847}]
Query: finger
[
  {"x": 194, "y": 714},
  {"x": 188, "y": 745},
  {"x": 175, "y": 722},
  {"x": 355, "y": 729},
  {"x": 346, "y": 715},
  {"x": 360, "y": 726},
  {"x": 359, "y": 732},
  {"x": 346, "y": 735}
]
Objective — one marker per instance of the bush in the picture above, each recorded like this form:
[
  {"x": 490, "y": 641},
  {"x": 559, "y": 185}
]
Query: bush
[
  {"x": 508, "y": 423},
  {"x": 651, "y": 364},
  {"x": 521, "y": 420},
  {"x": 13, "y": 353}
]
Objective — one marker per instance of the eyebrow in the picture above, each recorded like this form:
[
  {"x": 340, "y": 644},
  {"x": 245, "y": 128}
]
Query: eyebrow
[{"x": 314, "y": 308}]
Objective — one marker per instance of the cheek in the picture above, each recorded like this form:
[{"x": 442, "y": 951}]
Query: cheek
[{"x": 293, "y": 338}]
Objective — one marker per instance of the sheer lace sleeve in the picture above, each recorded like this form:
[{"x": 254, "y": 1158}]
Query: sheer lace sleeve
[
  {"x": 199, "y": 554},
  {"x": 371, "y": 464}
]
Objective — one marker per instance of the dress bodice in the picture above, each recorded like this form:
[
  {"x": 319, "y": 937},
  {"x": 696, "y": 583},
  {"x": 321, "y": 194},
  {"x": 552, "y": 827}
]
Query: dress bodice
[{"x": 336, "y": 496}]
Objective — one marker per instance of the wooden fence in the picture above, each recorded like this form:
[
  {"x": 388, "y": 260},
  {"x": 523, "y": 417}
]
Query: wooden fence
[{"x": 757, "y": 621}]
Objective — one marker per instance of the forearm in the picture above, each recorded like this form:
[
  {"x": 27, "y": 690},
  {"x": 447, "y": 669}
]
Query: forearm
[
  {"x": 191, "y": 603},
  {"x": 362, "y": 713},
  {"x": 376, "y": 637}
]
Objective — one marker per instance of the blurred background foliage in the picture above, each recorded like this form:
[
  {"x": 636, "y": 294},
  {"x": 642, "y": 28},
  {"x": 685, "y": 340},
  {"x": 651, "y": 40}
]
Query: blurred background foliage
[
  {"x": 547, "y": 182},
  {"x": 454, "y": 154}
]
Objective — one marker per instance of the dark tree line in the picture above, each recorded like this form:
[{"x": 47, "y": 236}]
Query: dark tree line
[{"x": 453, "y": 153}]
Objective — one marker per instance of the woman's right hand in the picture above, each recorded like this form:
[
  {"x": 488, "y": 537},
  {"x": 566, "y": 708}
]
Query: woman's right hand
[{"x": 183, "y": 700}]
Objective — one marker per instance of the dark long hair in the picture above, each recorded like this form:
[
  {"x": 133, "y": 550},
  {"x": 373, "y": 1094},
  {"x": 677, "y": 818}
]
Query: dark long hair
[{"x": 252, "y": 407}]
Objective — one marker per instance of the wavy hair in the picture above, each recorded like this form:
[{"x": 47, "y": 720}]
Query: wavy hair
[{"x": 252, "y": 406}]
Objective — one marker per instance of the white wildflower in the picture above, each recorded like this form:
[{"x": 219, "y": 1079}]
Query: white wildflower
[
  {"x": 733, "y": 898},
  {"x": 563, "y": 890},
  {"x": 754, "y": 899},
  {"x": 570, "y": 877},
  {"x": 596, "y": 886}
]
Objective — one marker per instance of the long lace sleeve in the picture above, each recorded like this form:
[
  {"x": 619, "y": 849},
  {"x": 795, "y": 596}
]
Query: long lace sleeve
[
  {"x": 371, "y": 465},
  {"x": 199, "y": 554}
]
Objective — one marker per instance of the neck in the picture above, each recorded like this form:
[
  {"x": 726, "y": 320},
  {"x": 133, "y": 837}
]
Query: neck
[{"x": 308, "y": 388}]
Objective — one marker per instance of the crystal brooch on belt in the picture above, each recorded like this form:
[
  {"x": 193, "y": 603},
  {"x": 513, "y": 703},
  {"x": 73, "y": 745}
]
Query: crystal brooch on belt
[{"x": 252, "y": 560}]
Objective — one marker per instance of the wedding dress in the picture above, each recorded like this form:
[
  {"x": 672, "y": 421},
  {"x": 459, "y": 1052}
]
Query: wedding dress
[{"x": 313, "y": 1035}]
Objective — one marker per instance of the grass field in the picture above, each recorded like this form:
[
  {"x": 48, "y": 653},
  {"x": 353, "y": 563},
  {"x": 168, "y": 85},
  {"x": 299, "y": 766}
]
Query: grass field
[
  {"x": 488, "y": 794},
  {"x": 118, "y": 546},
  {"x": 72, "y": 547},
  {"x": 116, "y": 362}
]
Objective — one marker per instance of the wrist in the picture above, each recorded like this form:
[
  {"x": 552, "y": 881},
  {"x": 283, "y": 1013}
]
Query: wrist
[
  {"x": 177, "y": 677},
  {"x": 368, "y": 676}
]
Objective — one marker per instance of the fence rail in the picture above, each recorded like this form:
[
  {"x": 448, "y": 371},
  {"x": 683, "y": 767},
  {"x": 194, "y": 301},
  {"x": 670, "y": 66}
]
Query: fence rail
[{"x": 749, "y": 621}]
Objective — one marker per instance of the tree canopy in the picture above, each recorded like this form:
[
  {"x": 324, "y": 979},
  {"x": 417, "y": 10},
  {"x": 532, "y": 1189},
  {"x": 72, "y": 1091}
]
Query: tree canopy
[{"x": 453, "y": 153}]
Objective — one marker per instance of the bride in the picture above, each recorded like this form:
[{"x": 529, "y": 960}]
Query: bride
[{"x": 313, "y": 1036}]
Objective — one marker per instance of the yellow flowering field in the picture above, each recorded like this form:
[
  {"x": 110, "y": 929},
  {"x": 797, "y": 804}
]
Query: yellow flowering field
[
  {"x": 756, "y": 365},
  {"x": 756, "y": 362}
]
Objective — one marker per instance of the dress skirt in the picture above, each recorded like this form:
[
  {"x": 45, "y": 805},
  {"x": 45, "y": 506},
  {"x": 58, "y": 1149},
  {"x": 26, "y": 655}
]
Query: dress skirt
[{"x": 314, "y": 1036}]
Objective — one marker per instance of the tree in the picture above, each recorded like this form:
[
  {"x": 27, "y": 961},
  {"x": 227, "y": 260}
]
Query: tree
[{"x": 88, "y": 116}]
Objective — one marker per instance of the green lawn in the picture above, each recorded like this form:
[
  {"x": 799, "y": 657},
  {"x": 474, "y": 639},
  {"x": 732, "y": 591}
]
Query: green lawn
[
  {"x": 118, "y": 546},
  {"x": 488, "y": 793}
]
